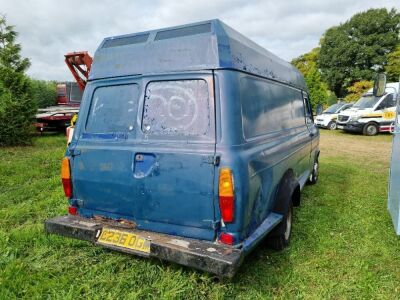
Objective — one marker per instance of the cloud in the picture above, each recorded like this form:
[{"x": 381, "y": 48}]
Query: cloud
[{"x": 49, "y": 29}]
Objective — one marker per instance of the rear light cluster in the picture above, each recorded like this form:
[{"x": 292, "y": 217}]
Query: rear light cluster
[
  {"x": 67, "y": 184},
  {"x": 226, "y": 203},
  {"x": 66, "y": 177},
  {"x": 226, "y": 195},
  {"x": 72, "y": 210},
  {"x": 227, "y": 238}
]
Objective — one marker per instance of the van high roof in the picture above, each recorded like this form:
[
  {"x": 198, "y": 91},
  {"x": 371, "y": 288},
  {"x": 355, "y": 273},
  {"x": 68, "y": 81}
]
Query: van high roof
[
  {"x": 390, "y": 88},
  {"x": 193, "y": 47}
]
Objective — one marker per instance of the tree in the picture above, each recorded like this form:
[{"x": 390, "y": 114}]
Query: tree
[
  {"x": 44, "y": 92},
  {"x": 307, "y": 61},
  {"x": 357, "y": 89},
  {"x": 316, "y": 88},
  {"x": 359, "y": 48},
  {"x": 332, "y": 99},
  {"x": 16, "y": 105},
  {"x": 307, "y": 65},
  {"x": 393, "y": 65},
  {"x": 10, "y": 56},
  {"x": 16, "y": 108}
]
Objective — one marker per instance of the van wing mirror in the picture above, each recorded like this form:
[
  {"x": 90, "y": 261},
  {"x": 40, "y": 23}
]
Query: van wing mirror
[
  {"x": 319, "y": 109},
  {"x": 379, "y": 85}
]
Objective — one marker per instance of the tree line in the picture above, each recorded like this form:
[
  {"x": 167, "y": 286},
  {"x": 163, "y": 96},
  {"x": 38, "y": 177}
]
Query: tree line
[
  {"x": 20, "y": 96},
  {"x": 342, "y": 66},
  {"x": 349, "y": 55}
]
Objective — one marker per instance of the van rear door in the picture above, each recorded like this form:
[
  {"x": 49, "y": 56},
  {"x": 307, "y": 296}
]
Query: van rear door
[{"x": 146, "y": 154}]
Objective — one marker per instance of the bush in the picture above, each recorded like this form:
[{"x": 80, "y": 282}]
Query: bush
[
  {"x": 332, "y": 99},
  {"x": 17, "y": 109},
  {"x": 44, "y": 93},
  {"x": 393, "y": 65},
  {"x": 357, "y": 90}
]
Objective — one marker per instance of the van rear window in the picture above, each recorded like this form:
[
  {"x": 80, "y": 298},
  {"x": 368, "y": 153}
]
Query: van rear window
[
  {"x": 113, "y": 109},
  {"x": 176, "y": 108}
]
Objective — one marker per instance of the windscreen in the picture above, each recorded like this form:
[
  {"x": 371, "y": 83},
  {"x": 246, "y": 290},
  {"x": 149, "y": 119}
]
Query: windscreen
[
  {"x": 113, "y": 109},
  {"x": 177, "y": 108},
  {"x": 333, "y": 109},
  {"x": 75, "y": 93},
  {"x": 61, "y": 90},
  {"x": 366, "y": 101}
]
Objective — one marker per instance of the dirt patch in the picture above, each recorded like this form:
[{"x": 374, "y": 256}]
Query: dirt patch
[{"x": 368, "y": 148}]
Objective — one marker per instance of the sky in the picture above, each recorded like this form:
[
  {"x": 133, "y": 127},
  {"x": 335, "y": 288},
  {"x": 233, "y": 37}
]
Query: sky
[{"x": 48, "y": 29}]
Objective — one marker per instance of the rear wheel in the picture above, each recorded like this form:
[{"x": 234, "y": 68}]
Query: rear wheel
[
  {"x": 315, "y": 172},
  {"x": 370, "y": 129},
  {"x": 332, "y": 125},
  {"x": 280, "y": 236}
]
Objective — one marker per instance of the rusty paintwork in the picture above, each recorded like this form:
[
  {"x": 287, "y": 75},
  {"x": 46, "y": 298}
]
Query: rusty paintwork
[{"x": 162, "y": 112}]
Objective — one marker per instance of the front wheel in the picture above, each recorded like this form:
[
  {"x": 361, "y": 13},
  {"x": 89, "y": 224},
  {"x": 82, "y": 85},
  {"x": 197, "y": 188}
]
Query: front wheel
[
  {"x": 370, "y": 129},
  {"x": 332, "y": 125}
]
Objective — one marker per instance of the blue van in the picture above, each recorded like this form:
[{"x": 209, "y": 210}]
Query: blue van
[{"x": 192, "y": 145}]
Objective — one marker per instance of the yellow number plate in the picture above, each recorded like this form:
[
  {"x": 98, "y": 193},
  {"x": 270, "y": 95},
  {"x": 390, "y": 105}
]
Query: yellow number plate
[
  {"x": 389, "y": 115},
  {"x": 124, "y": 239}
]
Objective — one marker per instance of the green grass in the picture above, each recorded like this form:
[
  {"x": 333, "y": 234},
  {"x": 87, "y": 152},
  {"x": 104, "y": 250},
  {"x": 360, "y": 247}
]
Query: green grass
[{"x": 343, "y": 243}]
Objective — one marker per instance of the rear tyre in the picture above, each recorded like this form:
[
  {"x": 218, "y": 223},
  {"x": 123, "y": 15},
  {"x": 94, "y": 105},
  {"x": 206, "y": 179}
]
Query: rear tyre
[
  {"x": 332, "y": 125},
  {"x": 315, "y": 172},
  {"x": 279, "y": 238},
  {"x": 370, "y": 129}
]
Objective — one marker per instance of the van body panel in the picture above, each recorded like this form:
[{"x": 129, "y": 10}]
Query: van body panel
[
  {"x": 162, "y": 113},
  {"x": 144, "y": 177},
  {"x": 258, "y": 163}
]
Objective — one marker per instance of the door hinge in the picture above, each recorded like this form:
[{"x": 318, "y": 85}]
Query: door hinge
[
  {"x": 78, "y": 202},
  {"x": 74, "y": 152},
  {"x": 215, "y": 225},
  {"x": 213, "y": 159}
]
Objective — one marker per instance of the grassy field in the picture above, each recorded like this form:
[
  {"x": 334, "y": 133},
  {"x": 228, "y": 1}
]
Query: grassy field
[{"x": 343, "y": 242}]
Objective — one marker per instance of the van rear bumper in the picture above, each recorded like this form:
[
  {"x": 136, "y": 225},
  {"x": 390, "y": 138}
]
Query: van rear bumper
[{"x": 215, "y": 258}]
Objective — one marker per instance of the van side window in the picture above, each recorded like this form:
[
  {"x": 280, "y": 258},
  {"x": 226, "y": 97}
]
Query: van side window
[
  {"x": 308, "y": 110},
  {"x": 389, "y": 101},
  {"x": 178, "y": 107},
  {"x": 345, "y": 107},
  {"x": 269, "y": 107},
  {"x": 113, "y": 109}
]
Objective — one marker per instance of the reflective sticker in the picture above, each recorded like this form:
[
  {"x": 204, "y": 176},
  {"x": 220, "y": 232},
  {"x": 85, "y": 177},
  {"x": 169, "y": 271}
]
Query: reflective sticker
[{"x": 389, "y": 115}]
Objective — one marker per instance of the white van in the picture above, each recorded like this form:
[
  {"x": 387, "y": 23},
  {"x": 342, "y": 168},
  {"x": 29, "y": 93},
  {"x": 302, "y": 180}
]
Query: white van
[
  {"x": 329, "y": 116},
  {"x": 371, "y": 114}
]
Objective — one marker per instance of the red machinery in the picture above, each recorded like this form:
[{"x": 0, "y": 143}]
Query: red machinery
[
  {"x": 59, "y": 117},
  {"x": 79, "y": 63}
]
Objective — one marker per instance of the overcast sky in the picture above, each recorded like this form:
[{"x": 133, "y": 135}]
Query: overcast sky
[{"x": 49, "y": 29}]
